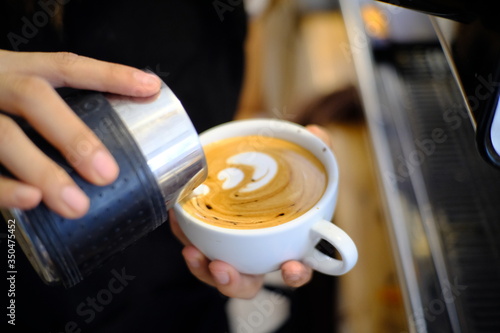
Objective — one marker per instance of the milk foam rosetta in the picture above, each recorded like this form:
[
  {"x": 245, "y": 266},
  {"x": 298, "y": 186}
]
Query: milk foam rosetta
[{"x": 256, "y": 182}]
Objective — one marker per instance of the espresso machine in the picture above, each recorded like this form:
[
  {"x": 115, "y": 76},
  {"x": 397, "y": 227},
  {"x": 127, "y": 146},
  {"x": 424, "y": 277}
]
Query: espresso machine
[
  {"x": 471, "y": 40},
  {"x": 429, "y": 78}
]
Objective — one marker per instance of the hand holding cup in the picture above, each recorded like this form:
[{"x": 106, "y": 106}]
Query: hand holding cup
[{"x": 261, "y": 250}]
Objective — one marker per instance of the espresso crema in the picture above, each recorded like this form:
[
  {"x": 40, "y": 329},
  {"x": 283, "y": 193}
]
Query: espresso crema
[{"x": 256, "y": 182}]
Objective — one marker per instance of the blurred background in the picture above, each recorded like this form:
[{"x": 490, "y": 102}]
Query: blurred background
[
  {"x": 300, "y": 68},
  {"x": 406, "y": 97}
]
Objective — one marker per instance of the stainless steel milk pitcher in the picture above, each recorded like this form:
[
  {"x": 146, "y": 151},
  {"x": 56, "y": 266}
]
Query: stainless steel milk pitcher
[{"x": 160, "y": 159}]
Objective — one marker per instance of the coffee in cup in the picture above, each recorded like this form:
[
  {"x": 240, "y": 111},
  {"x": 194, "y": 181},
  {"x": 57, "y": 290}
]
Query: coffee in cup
[
  {"x": 255, "y": 182},
  {"x": 256, "y": 238}
]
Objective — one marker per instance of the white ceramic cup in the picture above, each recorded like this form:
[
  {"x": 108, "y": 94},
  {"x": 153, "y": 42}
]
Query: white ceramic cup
[{"x": 259, "y": 251}]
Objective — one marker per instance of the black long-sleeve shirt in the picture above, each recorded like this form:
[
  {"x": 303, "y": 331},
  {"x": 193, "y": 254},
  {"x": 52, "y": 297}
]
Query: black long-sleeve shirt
[{"x": 196, "y": 47}]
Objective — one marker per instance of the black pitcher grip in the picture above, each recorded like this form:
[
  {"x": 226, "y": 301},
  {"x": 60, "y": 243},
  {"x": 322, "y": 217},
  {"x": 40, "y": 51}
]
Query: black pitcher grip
[{"x": 119, "y": 214}]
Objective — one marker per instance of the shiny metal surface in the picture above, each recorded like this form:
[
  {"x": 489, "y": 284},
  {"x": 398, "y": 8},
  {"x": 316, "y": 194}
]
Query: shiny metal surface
[
  {"x": 495, "y": 129},
  {"x": 441, "y": 197},
  {"x": 168, "y": 140},
  {"x": 31, "y": 245},
  {"x": 473, "y": 52},
  {"x": 405, "y": 237}
]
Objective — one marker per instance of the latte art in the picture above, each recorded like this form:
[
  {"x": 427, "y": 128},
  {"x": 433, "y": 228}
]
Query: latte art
[
  {"x": 256, "y": 182},
  {"x": 265, "y": 168}
]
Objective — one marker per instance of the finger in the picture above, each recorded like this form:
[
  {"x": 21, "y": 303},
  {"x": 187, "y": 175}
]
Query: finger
[
  {"x": 321, "y": 133},
  {"x": 14, "y": 194},
  {"x": 34, "y": 99},
  {"x": 221, "y": 275},
  {"x": 176, "y": 229},
  {"x": 234, "y": 284},
  {"x": 198, "y": 264},
  {"x": 71, "y": 70},
  {"x": 27, "y": 163},
  {"x": 296, "y": 274}
]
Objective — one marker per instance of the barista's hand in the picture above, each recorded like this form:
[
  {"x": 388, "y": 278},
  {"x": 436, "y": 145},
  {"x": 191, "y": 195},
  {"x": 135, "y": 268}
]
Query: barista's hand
[
  {"x": 225, "y": 277},
  {"x": 26, "y": 90}
]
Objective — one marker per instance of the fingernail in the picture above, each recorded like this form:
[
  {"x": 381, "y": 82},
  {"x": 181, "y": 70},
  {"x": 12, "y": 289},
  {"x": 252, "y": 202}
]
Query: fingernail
[
  {"x": 313, "y": 128},
  {"x": 292, "y": 278},
  {"x": 194, "y": 262},
  {"x": 221, "y": 277},
  {"x": 27, "y": 195},
  {"x": 75, "y": 199},
  {"x": 105, "y": 166},
  {"x": 147, "y": 79}
]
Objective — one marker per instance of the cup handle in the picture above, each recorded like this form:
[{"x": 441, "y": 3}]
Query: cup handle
[{"x": 339, "y": 239}]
